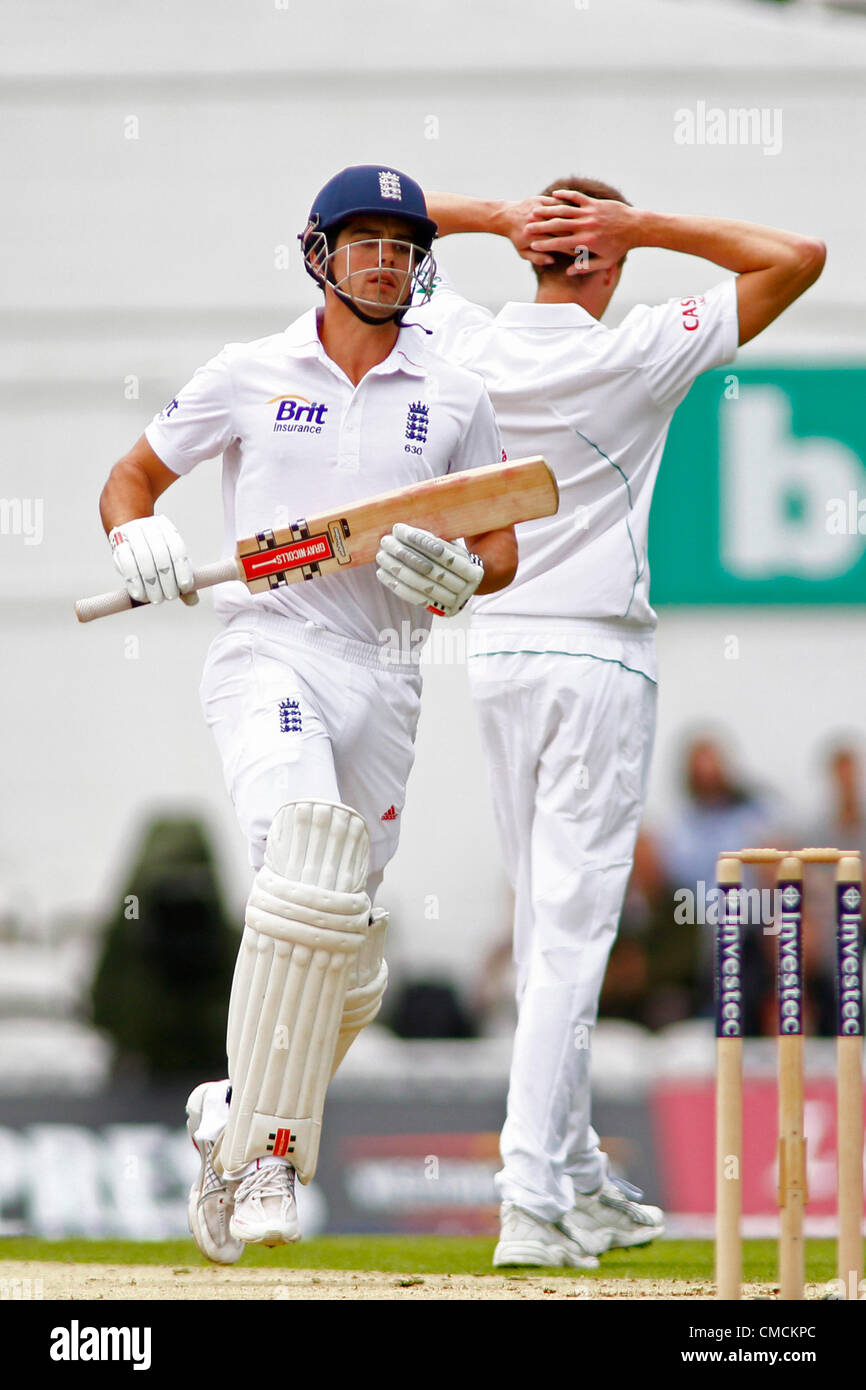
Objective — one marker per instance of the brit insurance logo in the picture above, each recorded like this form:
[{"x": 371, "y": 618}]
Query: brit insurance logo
[
  {"x": 297, "y": 415},
  {"x": 417, "y": 422}
]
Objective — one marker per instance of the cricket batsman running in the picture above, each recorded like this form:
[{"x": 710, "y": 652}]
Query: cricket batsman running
[{"x": 313, "y": 719}]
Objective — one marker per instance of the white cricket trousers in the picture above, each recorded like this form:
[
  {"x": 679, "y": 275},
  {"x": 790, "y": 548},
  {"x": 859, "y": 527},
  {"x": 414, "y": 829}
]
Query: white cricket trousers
[
  {"x": 568, "y": 741},
  {"x": 300, "y": 714}
]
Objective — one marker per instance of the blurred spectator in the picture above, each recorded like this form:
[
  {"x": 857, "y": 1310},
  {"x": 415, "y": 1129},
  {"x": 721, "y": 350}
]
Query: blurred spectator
[
  {"x": 719, "y": 811},
  {"x": 651, "y": 974},
  {"x": 842, "y": 825},
  {"x": 844, "y": 821},
  {"x": 162, "y": 983}
]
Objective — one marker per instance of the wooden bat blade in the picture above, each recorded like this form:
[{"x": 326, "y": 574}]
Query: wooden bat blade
[{"x": 452, "y": 506}]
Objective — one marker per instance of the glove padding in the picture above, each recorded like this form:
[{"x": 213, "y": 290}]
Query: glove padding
[
  {"x": 421, "y": 568},
  {"x": 152, "y": 560}
]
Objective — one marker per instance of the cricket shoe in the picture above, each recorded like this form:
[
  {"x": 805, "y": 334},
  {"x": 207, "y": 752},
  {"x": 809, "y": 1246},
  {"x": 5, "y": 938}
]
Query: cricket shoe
[
  {"x": 525, "y": 1239},
  {"x": 265, "y": 1211},
  {"x": 210, "y": 1200},
  {"x": 615, "y": 1215}
]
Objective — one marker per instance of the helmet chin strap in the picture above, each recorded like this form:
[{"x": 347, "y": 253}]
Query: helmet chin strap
[{"x": 396, "y": 316}]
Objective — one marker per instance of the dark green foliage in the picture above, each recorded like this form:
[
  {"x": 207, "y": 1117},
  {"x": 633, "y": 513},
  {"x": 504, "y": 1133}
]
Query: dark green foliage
[{"x": 162, "y": 986}]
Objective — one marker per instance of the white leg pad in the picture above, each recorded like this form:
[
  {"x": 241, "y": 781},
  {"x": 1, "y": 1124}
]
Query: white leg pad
[
  {"x": 307, "y": 920},
  {"x": 367, "y": 984}
]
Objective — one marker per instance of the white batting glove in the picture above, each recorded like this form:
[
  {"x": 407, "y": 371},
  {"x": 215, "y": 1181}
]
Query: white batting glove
[
  {"x": 152, "y": 560},
  {"x": 421, "y": 568}
]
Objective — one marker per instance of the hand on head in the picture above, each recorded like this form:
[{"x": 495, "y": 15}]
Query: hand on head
[{"x": 596, "y": 232}]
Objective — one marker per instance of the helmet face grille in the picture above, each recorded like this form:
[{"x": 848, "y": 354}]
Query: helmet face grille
[{"x": 378, "y": 277}]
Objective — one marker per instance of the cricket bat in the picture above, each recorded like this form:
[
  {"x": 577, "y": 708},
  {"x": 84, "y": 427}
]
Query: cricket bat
[{"x": 451, "y": 507}]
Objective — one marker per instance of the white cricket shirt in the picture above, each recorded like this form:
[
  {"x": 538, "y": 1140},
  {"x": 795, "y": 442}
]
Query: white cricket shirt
[
  {"x": 597, "y": 403},
  {"x": 297, "y": 438}
]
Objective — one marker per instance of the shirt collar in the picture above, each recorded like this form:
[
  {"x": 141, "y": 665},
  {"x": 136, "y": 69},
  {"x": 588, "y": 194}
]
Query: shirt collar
[
  {"x": 301, "y": 339},
  {"x": 521, "y": 315},
  {"x": 405, "y": 356}
]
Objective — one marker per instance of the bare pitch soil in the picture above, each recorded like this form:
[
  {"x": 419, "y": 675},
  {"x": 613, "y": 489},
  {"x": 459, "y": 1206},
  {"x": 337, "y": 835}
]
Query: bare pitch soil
[{"x": 146, "y": 1283}]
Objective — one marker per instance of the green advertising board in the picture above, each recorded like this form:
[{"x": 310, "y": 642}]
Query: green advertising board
[{"x": 761, "y": 497}]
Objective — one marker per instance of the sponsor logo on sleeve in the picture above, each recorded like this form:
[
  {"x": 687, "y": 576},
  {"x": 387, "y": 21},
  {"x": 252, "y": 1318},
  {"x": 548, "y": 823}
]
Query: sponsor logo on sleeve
[{"x": 690, "y": 312}]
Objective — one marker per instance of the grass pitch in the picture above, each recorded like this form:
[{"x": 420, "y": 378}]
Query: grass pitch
[{"x": 686, "y": 1260}]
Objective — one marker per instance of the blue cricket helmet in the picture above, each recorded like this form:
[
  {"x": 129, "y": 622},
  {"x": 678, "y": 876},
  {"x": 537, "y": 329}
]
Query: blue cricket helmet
[
  {"x": 369, "y": 188},
  {"x": 372, "y": 188}
]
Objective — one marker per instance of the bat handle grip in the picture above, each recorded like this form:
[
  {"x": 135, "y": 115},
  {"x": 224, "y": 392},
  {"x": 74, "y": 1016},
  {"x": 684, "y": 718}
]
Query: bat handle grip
[{"x": 101, "y": 605}]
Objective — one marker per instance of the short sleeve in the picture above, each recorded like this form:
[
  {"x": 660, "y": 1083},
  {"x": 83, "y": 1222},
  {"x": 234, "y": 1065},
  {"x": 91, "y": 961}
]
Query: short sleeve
[
  {"x": 197, "y": 424},
  {"x": 480, "y": 443},
  {"x": 679, "y": 340}
]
